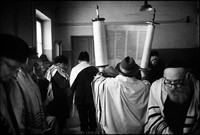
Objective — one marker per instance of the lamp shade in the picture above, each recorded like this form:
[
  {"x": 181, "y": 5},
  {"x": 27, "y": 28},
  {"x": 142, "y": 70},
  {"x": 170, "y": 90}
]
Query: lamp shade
[{"x": 146, "y": 7}]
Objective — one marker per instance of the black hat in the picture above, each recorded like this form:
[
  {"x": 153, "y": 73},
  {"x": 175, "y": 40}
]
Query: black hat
[
  {"x": 43, "y": 58},
  {"x": 154, "y": 53},
  {"x": 61, "y": 59},
  {"x": 33, "y": 50},
  {"x": 14, "y": 48},
  {"x": 127, "y": 67},
  {"x": 83, "y": 56}
]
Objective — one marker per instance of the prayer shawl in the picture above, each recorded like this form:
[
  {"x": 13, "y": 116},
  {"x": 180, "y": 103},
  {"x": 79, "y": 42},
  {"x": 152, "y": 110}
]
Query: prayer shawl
[
  {"x": 121, "y": 104},
  {"x": 155, "y": 123},
  {"x": 17, "y": 104},
  {"x": 26, "y": 104},
  {"x": 49, "y": 74},
  {"x": 33, "y": 107},
  {"x": 76, "y": 70},
  {"x": 56, "y": 68},
  {"x": 74, "y": 73}
]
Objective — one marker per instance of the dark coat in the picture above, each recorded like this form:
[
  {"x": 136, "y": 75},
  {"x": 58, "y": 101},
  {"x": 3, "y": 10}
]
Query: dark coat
[
  {"x": 82, "y": 86},
  {"x": 156, "y": 72},
  {"x": 59, "y": 107}
]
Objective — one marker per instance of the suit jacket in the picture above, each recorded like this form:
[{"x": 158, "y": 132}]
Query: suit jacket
[{"x": 82, "y": 83}]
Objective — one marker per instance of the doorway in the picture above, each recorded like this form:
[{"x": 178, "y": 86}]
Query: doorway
[{"x": 82, "y": 43}]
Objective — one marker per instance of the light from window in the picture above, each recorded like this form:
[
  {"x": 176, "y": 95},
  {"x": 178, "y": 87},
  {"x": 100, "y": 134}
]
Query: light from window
[{"x": 39, "y": 37}]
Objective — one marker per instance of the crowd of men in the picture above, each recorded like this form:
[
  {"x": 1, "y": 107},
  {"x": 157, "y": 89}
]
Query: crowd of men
[{"x": 37, "y": 95}]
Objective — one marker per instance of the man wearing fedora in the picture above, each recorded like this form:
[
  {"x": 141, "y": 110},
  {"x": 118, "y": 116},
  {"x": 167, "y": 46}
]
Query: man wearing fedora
[{"x": 121, "y": 100}]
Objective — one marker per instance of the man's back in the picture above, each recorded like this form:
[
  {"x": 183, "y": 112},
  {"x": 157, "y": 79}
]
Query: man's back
[
  {"x": 83, "y": 85},
  {"x": 123, "y": 102},
  {"x": 81, "y": 77}
]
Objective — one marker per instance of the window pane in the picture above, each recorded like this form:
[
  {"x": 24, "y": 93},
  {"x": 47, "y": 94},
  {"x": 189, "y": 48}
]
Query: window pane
[{"x": 39, "y": 37}]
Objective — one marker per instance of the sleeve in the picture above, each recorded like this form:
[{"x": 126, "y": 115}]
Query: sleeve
[
  {"x": 109, "y": 71},
  {"x": 155, "y": 123},
  {"x": 97, "y": 91},
  {"x": 95, "y": 87},
  {"x": 196, "y": 128}
]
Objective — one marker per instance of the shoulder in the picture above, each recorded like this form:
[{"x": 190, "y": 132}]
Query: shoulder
[
  {"x": 74, "y": 69},
  {"x": 76, "y": 66},
  {"x": 91, "y": 69},
  {"x": 106, "y": 80},
  {"x": 144, "y": 85},
  {"x": 156, "y": 85}
]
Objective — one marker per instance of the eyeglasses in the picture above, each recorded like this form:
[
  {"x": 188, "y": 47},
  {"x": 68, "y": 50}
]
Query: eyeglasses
[{"x": 175, "y": 83}]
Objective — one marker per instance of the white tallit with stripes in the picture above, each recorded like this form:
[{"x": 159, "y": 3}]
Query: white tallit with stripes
[
  {"x": 49, "y": 74},
  {"x": 155, "y": 123}
]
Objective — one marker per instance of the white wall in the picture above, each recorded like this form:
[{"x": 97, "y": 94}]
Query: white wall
[{"x": 74, "y": 18}]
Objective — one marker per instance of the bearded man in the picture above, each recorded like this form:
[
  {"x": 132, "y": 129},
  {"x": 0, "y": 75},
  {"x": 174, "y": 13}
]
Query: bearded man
[{"x": 173, "y": 106}]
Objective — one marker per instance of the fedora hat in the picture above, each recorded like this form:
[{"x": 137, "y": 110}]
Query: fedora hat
[{"x": 128, "y": 67}]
